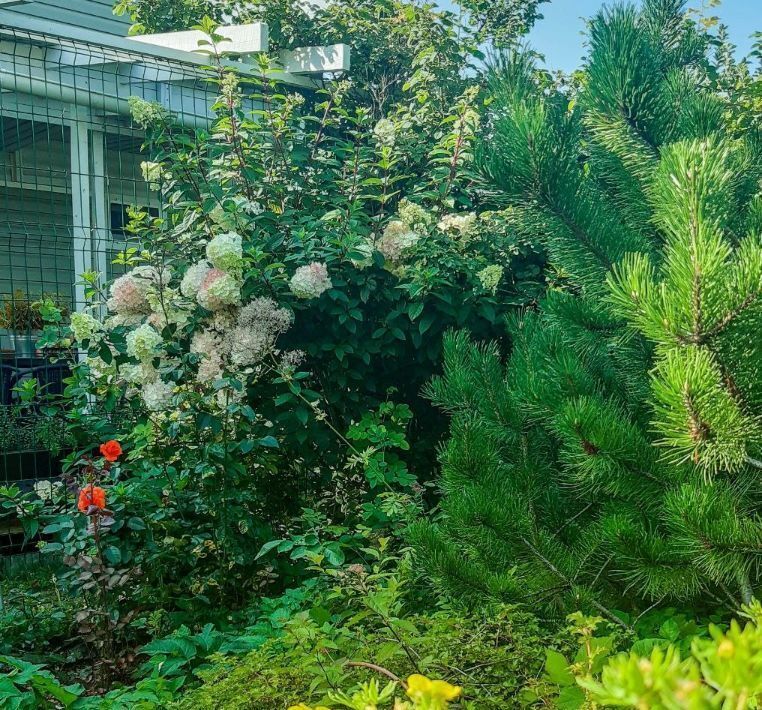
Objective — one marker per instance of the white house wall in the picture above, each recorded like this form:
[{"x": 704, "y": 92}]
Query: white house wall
[{"x": 36, "y": 245}]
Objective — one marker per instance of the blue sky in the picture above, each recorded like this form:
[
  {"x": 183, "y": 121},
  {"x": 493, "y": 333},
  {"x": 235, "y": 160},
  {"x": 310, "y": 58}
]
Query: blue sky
[{"x": 559, "y": 35}]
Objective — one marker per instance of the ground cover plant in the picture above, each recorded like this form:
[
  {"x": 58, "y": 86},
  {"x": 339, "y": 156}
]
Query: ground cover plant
[{"x": 254, "y": 516}]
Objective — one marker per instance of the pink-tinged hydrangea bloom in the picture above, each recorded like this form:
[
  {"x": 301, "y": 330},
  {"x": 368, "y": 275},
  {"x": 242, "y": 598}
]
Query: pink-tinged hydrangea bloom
[
  {"x": 127, "y": 296},
  {"x": 310, "y": 281},
  {"x": 218, "y": 290},
  {"x": 193, "y": 279},
  {"x": 129, "y": 293}
]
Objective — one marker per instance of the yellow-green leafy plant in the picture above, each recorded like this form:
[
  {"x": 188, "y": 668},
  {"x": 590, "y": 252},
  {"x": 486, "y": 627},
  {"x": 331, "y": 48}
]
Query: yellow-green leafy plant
[
  {"x": 422, "y": 693},
  {"x": 724, "y": 671}
]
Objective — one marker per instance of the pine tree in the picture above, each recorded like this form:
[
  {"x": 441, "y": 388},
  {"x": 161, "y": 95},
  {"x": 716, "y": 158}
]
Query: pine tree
[{"x": 616, "y": 456}]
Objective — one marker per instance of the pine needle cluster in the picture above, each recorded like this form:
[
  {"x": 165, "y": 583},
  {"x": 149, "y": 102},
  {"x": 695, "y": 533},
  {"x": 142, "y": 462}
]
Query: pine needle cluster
[{"x": 617, "y": 456}]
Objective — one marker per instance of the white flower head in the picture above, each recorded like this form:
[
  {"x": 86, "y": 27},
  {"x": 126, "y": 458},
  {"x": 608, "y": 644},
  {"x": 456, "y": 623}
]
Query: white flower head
[
  {"x": 157, "y": 395},
  {"x": 84, "y": 326},
  {"x": 259, "y": 325},
  {"x": 209, "y": 345},
  {"x": 385, "y": 132},
  {"x": 129, "y": 293},
  {"x": 490, "y": 277},
  {"x": 143, "y": 343},
  {"x": 218, "y": 290},
  {"x": 225, "y": 251},
  {"x": 128, "y": 297},
  {"x": 138, "y": 374},
  {"x": 46, "y": 490},
  {"x": 414, "y": 216},
  {"x": 396, "y": 240},
  {"x": 460, "y": 224},
  {"x": 193, "y": 279},
  {"x": 310, "y": 281}
]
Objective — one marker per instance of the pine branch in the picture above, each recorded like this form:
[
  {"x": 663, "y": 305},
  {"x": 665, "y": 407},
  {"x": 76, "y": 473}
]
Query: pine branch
[{"x": 606, "y": 612}]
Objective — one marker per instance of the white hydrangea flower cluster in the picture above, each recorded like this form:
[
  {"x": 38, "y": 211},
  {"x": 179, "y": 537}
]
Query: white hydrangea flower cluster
[
  {"x": 211, "y": 347},
  {"x": 123, "y": 319},
  {"x": 138, "y": 374},
  {"x": 258, "y": 327},
  {"x": 310, "y": 281},
  {"x": 100, "y": 369},
  {"x": 128, "y": 296},
  {"x": 144, "y": 343},
  {"x": 385, "y": 133},
  {"x": 157, "y": 395},
  {"x": 193, "y": 278},
  {"x": 414, "y": 216},
  {"x": 84, "y": 326},
  {"x": 225, "y": 252},
  {"x": 463, "y": 225},
  {"x": 396, "y": 239},
  {"x": 490, "y": 277},
  {"x": 129, "y": 293},
  {"x": 218, "y": 289},
  {"x": 146, "y": 113},
  {"x": 47, "y": 490}
]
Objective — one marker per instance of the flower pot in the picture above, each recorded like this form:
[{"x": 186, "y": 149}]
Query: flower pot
[{"x": 24, "y": 344}]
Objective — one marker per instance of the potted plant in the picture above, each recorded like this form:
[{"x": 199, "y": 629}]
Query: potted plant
[
  {"x": 22, "y": 319},
  {"x": 31, "y": 445}
]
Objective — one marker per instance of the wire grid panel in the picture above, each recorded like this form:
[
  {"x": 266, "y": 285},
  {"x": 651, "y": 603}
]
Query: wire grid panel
[{"x": 70, "y": 167}]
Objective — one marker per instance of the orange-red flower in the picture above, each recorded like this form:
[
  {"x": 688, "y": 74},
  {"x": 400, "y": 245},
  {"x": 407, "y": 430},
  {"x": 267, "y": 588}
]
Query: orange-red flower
[
  {"x": 91, "y": 496},
  {"x": 111, "y": 450}
]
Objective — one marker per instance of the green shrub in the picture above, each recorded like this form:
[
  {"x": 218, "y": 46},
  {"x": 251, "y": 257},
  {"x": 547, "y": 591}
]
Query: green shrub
[
  {"x": 724, "y": 670},
  {"x": 492, "y": 656}
]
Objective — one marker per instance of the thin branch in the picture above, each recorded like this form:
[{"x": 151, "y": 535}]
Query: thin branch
[
  {"x": 378, "y": 669},
  {"x": 606, "y": 612}
]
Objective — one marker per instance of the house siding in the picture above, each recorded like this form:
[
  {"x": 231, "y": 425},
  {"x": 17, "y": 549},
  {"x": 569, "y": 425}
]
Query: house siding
[{"x": 96, "y": 15}]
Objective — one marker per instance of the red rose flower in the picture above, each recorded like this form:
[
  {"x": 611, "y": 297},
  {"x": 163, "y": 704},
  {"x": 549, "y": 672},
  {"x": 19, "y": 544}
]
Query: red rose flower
[
  {"x": 111, "y": 450},
  {"x": 91, "y": 496}
]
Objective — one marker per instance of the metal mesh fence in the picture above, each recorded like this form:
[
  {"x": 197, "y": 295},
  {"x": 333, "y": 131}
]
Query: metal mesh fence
[{"x": 70, "y": 167}]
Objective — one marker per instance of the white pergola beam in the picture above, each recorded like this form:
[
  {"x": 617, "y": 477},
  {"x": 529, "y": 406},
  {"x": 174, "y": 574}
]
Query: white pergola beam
[
  {"x": 316, "y": 60},
  {"x": 239, "y": 39}
]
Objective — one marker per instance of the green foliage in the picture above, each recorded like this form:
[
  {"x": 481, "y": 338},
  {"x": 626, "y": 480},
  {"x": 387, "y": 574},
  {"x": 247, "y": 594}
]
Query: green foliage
[
  {"x": 386, "y": 36},
  {"x": 721, "y": 671},
  {"x": 612, "y": 461},
  {"x": 20, "y": 431},
  {"x": 27, "y": 685},
  {"x": 338, "y": 639},
  {"x": 298, "y": 203},
  {"x": 21, "y": 313},
  {"x": 35, "y": 615}
]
